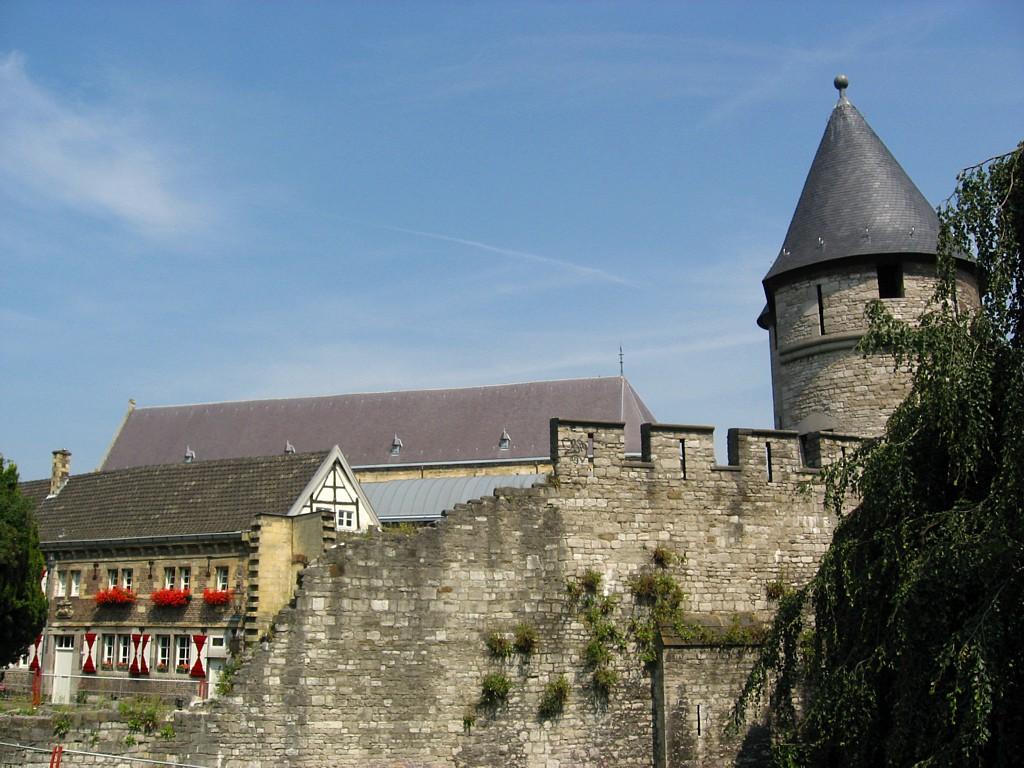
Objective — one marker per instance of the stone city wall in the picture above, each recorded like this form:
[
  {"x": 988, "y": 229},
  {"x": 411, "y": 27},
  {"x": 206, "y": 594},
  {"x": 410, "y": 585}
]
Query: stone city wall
[{"x": 381, "y": 659}]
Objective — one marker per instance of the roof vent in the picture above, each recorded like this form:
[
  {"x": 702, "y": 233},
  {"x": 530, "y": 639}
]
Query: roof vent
[
  {"x": 396, "y": 445},
  {"x": 190, "y": 455},
  {"x": 288, "y": 447},
  {"x": 504, "y": 442}
]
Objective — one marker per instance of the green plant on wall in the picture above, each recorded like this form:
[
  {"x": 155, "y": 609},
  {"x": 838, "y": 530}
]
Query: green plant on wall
[
  {"x": 226, "y": 681},
  {"x": 141, "y": 714},
  {"x": 498, "y": 645},
  {"x": 659, "y": 600},
  {"x": 552, "y": 702},
  {"x": 525, "y": 638},
  {"x": 605, "y": 636},
  {"x": 494, "y": 690},
  {"x": 61, "y": 725},
  {"x": 663, "y": 557}
]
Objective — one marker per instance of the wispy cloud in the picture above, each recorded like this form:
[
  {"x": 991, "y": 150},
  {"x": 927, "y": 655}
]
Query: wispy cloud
[
  {"x": 90, "y": 160},
  {"x": 587, "y": 272}
]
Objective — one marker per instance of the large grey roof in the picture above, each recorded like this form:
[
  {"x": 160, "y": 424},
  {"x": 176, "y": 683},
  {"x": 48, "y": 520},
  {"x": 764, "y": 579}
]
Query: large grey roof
[
  {"x": 175, "y": 499},
  {"x": 428, "y": 498},
  {"x": 856, "y": 201},
  {"x": 435, "y": 426}
]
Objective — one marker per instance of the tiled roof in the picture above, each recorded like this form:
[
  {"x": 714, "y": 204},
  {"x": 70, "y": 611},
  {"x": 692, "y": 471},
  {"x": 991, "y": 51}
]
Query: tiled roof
[
  {"x": 434, "y": 426},
  {"x": 856, "y": 201},
  {"x": 175, "y": 499},
  {"x": 35, "y": 490}
]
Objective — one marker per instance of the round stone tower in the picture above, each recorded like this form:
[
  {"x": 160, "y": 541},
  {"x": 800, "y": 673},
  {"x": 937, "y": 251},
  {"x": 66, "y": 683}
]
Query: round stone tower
[{"x": 861, "y": 231}]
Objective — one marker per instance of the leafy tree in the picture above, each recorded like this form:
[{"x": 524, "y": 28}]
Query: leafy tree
[
  {"x": 22, "y": 604},
  {"x": 915, "y": 656}
]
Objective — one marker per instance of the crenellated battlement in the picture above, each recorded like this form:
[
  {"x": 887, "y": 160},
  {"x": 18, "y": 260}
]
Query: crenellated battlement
[{"x": 591, "y": 449}]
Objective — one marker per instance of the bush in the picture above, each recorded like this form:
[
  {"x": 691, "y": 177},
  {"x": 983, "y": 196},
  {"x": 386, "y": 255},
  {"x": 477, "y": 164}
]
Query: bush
[
  {"x": 525, "y": 639},
  {"x": 556, "y": 693}
]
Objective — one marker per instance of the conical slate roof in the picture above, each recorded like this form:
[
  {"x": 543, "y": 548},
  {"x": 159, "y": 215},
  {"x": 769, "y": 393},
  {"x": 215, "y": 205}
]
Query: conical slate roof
[{"x": 856, "y": 201}]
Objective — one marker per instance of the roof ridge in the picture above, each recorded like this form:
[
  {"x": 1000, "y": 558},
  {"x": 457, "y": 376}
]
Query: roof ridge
[
  {"x": 379, "y": 392},
  {"x": 205, "y": 463}
]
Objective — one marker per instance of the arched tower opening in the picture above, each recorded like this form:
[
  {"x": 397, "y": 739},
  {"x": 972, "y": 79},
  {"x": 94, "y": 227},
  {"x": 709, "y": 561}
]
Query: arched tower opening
[{"x": 861, "y": 231}]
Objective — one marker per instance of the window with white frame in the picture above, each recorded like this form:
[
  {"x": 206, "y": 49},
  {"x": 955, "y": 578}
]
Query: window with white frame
[
  {"x": 185, "y": 578},
  {"x": 183, "y": 650},
  {"x": 65, "y": 642},
  {"x": 126, "y": 577},
  {"x": 163, "y": 650},
  {"x": 169, "y": 578},
  {"x": 108, "y": 649},
  {"x": 60, "y": 585},
  {"x": 346, "y": 517},
  {"x": 76, "y": 583},
  {"x": 111, "y": 577},
  {"x": 124, "y": 646},
  {"x": 222, "y": 577}
]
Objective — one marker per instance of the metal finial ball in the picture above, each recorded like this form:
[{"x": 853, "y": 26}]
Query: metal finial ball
[{"x": 841, "y": 82}]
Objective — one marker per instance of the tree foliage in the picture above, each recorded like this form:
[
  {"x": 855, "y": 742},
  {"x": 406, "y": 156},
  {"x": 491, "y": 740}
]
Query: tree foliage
[
  {"x": 22, "y": 604},
  {"x": 916, "y": 657}
]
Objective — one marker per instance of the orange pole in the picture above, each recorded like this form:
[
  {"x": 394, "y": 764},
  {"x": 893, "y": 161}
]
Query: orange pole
[{"x": 56, "y": 755}]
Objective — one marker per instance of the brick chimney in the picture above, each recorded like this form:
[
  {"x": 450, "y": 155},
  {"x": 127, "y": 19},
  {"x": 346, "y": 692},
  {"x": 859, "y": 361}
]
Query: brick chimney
[{"x": 61, "y": 470}]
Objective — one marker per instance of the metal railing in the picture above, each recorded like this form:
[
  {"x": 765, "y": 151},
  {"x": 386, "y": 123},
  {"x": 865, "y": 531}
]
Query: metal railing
[{"x": 41, "y": 684}]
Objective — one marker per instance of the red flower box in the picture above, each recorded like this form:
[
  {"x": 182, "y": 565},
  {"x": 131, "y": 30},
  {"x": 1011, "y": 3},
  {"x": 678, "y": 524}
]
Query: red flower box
[
  {"x": 170, "y": 598},
  {"x": 217, "y": 596},
  {"x": 115, "y": 596}
]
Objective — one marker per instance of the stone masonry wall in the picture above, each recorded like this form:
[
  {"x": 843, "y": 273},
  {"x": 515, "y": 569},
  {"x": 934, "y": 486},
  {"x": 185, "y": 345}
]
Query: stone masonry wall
[
  {"x": 701, "y": 685},
  {"x": 96, "y": 732},
  {"x": 380, "y": 660}
]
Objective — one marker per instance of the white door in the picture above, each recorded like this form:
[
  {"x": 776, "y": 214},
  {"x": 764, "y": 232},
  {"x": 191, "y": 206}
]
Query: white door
[{"x": 63, "y": 664}]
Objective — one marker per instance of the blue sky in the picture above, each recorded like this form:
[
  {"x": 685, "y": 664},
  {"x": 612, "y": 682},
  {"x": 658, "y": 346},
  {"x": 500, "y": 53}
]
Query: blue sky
[{"x": 223, "y": 201}]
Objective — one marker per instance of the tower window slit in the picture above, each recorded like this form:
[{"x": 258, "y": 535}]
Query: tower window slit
[
  {"x": 698, "y": 719},
  {"x": 590, "y": 445},
  {"x": 821, "y": 311},
  {"x": 682, "y": 457},
  {"x": 768, "y": 460}
]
